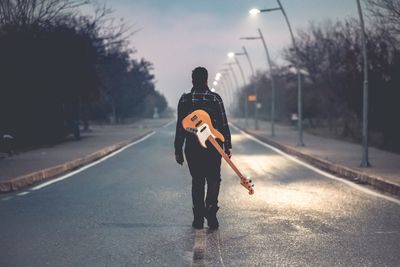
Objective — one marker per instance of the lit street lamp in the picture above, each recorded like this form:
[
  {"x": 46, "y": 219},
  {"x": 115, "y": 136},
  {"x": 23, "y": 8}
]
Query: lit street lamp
[
  {"x": 273, "y": 100},
  {"x": 299, "y": 93}
]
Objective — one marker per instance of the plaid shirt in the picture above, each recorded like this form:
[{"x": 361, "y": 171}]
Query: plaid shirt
[{"x": 213, "y": 105}]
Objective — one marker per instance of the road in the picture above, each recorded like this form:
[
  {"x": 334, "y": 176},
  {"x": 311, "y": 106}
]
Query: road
[{"x": 134, "y": 209}]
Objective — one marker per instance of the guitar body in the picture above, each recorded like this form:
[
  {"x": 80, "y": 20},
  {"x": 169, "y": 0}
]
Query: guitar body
[
  {"x": 197, "y": 118},
  {"x": 199, "y": 123}
]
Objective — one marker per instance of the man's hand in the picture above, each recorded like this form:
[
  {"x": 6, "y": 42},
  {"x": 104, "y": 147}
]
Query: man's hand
[
  {"x": 228, "y": 152},
  {"x": 179, "y": 158}
]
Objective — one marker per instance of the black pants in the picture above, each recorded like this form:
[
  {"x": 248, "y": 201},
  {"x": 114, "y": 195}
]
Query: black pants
[{"x": 204, "y": 165}]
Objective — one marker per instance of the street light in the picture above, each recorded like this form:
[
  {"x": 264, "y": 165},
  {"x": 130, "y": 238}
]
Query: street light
[
  {"x": 299, "y": 91},
  {"x": 244, "y": 53},
  {"x": 254, "y": 11},
  {"x": 273, "y": 100},
  {"x": 364, "y": 161}
]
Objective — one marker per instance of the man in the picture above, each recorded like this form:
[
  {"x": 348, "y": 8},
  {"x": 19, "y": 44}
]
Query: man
[{"x": 204, "y": 163}]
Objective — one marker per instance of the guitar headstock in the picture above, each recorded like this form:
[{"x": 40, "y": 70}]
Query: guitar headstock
[{"x": 248, "y": 184}]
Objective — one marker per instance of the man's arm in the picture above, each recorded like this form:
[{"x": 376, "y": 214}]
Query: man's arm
[
  {"x": 225, "y": 127},
  {"x": 179, "y": 133}
]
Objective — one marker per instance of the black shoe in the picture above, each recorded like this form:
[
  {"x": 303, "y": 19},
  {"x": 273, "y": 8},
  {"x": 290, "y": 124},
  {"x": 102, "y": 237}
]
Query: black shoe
[
  {"x": 198, "y": 225},
  {"x": 212, "y": 220},
  {"x": 198, "y": 222}
]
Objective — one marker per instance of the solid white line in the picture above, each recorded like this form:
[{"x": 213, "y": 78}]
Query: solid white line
[
  {"x": 23, "y": 193},
  {"x": 328, "y": 175},
  {"x": 93, "y": 163},
  {"x": 168, "y": 124}
]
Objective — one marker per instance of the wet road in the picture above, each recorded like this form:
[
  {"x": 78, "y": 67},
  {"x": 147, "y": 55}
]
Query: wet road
[{"x": 134, "y": 209}]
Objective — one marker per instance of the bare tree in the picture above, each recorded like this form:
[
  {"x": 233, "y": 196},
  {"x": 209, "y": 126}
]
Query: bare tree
[
  {"x": 23, "y": 12},
  {"x": 387, "y": 15}
]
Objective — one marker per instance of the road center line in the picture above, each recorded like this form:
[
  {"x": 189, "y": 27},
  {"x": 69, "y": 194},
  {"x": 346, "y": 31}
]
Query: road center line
[
  {"x": 199, "y": 246},
  {"x": 93, "y": 163},
  {"x": 326, "y": 174}
]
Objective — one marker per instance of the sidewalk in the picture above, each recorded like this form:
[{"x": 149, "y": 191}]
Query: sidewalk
[
  {"x": 36, "y": 165},
  {"x": 339, "y": 157}
]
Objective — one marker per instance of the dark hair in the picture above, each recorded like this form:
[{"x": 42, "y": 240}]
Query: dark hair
[{"x": 199, "y": 76}]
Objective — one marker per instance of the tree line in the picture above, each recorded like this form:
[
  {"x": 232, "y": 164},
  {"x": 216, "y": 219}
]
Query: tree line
[
  {"x": 330, "y": 56},
  {"x": 60, "y": 68}
]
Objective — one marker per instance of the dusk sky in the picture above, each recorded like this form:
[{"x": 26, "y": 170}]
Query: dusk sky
[{"x": 179, "y": 35}]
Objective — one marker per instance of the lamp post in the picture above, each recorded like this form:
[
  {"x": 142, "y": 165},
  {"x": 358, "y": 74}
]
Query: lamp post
[
  {"x": 364, "y": 161},
  {"x": 246, "y": 105},
  {"x": 270, "y": 65},
  {"x": 228, "y": 79},
  {"x": 299, "y": 90}
]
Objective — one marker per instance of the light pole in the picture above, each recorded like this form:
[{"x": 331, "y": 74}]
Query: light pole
[
  {"x": 233, "y": 75},
  {"x": 223, "y": 86},
  {"x": 299, "y": 90},
  {"x": 364, "y": 161},
  {"x": 244, "y": 84},
  {"x": 227, "y": 77},
  {"x": 270, "y": 65},
  {"x": 244, "y": 53},
  {"x": 246, "y": 105},
  {"x": 246, "y": 108}
]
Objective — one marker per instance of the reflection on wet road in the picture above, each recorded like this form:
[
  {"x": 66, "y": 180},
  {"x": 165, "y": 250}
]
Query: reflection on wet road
[{"x": 135, "y": 209}]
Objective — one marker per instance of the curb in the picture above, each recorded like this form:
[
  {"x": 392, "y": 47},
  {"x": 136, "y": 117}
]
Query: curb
[
  {"x": 17, "y": 183},
  {"x": 347, "y": 173}
]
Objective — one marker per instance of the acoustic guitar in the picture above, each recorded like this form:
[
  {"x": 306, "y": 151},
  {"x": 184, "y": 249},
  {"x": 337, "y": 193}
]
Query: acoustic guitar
[{"x": 199, "y": 123}]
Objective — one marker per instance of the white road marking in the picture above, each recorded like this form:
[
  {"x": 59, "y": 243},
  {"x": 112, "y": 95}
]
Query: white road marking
[
  {"x": 168, "y": 124},
  {"x": 326, "y": 174},
  {"x": 199, "y": 245},
  {"x": 6, "y": 198},
  {"x": 219, "y": 249},
  {"x": 23, "y": 193},
  {"x": 92, "y": 164}
]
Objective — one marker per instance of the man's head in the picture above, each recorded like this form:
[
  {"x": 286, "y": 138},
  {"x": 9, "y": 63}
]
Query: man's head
[{"x": 199, "y": 77}]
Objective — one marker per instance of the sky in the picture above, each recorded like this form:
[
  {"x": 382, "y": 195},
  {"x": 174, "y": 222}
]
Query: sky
[{"x": 179, "y": 35}]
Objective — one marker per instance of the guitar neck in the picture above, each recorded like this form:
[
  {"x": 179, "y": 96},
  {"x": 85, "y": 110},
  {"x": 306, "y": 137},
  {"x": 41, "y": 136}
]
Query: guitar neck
[{"x": 225, "y": 156}]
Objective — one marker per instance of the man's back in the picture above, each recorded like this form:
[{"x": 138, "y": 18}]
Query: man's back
[{"x": 211, "y": 103}]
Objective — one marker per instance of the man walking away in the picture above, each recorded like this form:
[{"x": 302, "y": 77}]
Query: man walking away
[{"x": 204, "y": 163}]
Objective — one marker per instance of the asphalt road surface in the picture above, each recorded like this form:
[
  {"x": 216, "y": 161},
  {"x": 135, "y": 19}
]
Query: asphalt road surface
[{"x": 134, "y": 209}]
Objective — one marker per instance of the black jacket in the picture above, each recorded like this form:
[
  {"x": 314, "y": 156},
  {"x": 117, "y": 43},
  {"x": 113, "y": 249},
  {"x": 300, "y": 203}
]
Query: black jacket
[{"x": 210, "y": 102}]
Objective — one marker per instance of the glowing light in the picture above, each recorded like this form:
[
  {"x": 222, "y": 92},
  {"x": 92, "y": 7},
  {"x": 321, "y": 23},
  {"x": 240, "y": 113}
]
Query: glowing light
[
  {"x": 231, "y": 55},
  {"x": 217, "y": 78},
  {"x": 212, "y": 90},
  {"x": 254, "y": 11},
  {"x": 215, "y": 83}
]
